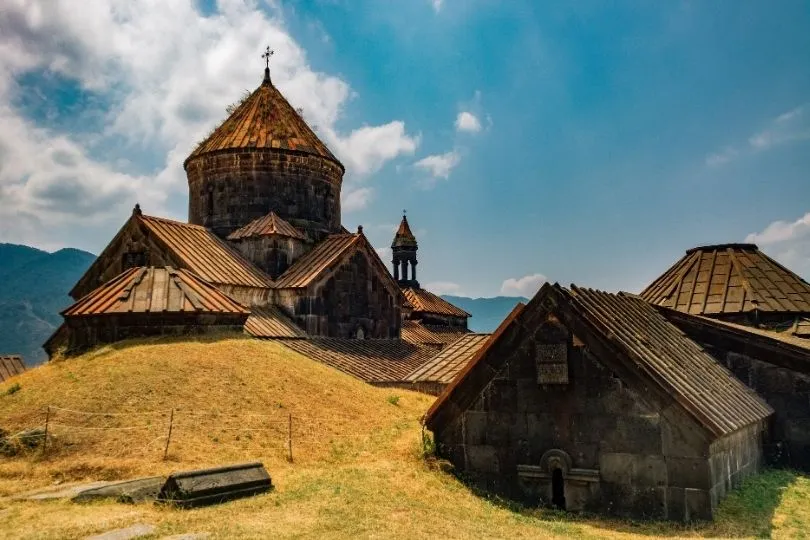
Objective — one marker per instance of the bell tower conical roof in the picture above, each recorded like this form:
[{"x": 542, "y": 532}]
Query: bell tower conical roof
[{"x": 264, "y": 120}]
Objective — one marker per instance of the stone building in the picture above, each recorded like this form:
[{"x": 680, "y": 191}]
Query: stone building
[
  {"x": 594, "y": 401},
  {"x": 150, "y": 301},
  {"x": 735, "y": 283},
  {"x": 265, "y": 229}
]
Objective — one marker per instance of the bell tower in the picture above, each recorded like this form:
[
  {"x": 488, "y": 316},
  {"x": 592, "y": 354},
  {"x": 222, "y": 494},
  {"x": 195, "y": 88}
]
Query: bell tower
[{"x": 404, "y": 249}]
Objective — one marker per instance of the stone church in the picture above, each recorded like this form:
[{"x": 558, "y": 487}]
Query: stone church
[{"x": 264, "y": 230}]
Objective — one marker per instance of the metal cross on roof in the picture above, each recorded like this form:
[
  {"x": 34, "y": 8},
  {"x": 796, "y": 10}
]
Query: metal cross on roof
[
  {"x": 266, "y": 55},
  {"x": 404, "y": 212}
]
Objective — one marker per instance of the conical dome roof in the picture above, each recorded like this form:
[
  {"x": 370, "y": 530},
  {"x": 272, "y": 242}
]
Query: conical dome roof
[
  {"x": 265, "y": 119},
  {"x": 729, "y": 279},
  {"x": 404, "y": 236}
]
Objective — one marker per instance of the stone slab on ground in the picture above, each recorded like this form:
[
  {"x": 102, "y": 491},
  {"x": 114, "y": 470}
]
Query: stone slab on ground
[
  {"x": 131, "y": 491},
  {"x": 134, "y": 531},
  {"x": 59, "y": 492},
  {"x": 188, "y": 536}
]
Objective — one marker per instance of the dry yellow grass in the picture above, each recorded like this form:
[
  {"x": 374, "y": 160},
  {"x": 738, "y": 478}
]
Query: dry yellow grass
[{"x": 357, "y": 469}]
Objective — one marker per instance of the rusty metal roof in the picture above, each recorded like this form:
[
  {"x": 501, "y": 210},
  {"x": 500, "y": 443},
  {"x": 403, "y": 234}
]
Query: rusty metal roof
[
  {"x": 310, "y": 265},
  {"x": 417, "y": 333},
  {"x": 271, "y": 322},
  {"x": 155, "y": 290},
  {"x": 264, "y": 120},
  {"x": 202, "y": 252},
  {"x": 444, "y": 367},
  {"x": 404, "y": 236},
  {"x": 639, "y": 339},
  {"x": 705, "y": 388},
  {"x": 371, "y": 360},
  {"x": 427, "y": 302},
  {"x": 729, "y": 279},
  {"x": 10, "y": 365},
  {"x": 267, "y": 225}
]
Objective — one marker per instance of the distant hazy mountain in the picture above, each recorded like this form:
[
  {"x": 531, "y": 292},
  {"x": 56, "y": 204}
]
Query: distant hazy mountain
[
  {"x": 487, "y": 313},
  {"x": 34, "y": 287}
]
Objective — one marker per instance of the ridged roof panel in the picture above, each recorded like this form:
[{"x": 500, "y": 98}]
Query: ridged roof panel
[
  {"x": 427, "y": 302},
  {"x": 267, "y": 225},
  {"x": 155, "y": 290},
  {"x": 205, "y": 254},
  {"x": 417, "y": 333},
  {"x": 371, "y": 360},
  {"x": 729, "y": 279},
  {"x": 271, "y": 322},
  {"x": 10, "y": 365},
  {"x": 444, "y": 367},
  {"x": 310, "y": 265},
  {"x": 264, "y": 120}
]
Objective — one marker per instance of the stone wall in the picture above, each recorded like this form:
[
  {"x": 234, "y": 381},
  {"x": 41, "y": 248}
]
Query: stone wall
[
  {"x": 788, "y": 392},
  {"x": 273, "y": 254},
  {"x": 354, "y": 296},
  {"x": 622, "y": 452},
  {"x": 84, "y": 333},
  {"x": 229, "y": 189}
]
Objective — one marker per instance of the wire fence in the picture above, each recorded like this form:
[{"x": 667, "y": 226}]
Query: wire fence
[{"x": 181, "y": 433}]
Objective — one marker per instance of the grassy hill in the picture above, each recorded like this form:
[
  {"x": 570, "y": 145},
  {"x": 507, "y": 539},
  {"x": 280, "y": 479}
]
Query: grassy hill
[
  {"x": 357, "y": 470},
  {"x": 34, "y": 287}
]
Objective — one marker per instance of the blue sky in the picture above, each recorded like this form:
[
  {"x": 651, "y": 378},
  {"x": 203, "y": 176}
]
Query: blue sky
[{"x": 589, "y": 143}]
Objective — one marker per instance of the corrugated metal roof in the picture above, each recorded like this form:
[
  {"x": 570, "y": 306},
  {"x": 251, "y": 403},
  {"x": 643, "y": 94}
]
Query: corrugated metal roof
[
  {"x": 444, "y": 367},
  {"x": 10, "y": 365},
  {"x": 310, "y": 265},
  {"x": 264, "y": 120},
  {"x": 265, "y": 226},
  {"x": 404, "y": 236},
  {"x": 417, "y": 333},
  {"x": 155, "y": 290},
  {"x": 643, "y": 341},
  {"x": 271, "y": 322},
  {"x": 427, "y": 302},
  {"x": 371, "y": 360},
  {"x": 715, "y": 397},
  {"x": 202, "y": 252},
  {"x": 729, "y": 279}
]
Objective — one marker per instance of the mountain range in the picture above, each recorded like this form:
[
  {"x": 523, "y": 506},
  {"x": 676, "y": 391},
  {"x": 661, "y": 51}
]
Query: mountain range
[{"x": 34, "y": 287}]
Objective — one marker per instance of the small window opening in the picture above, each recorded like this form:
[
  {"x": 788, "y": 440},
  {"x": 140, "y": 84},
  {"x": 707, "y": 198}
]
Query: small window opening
[
  {"x": 558, "y": 489},
  {"x": 210, "y": 202},
  {"x": 360, "y": 333}
]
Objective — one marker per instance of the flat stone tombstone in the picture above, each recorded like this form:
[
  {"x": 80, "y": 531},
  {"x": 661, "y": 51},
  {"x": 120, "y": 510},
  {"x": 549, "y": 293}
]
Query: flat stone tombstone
[
  {"x": 131, "y": 491},
  {"x": 135, "y": 531},
  {"x": 212, "y": 486}
]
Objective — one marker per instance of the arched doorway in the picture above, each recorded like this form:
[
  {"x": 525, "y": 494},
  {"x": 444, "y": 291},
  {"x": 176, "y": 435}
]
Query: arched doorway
[{"x": 558, "y": 489}]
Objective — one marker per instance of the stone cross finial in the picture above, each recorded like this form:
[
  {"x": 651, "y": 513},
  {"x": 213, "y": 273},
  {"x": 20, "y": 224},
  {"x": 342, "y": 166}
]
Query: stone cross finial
[
  {"x": 137, "y": 210},
  {"x": 359, "y": 229},
  {"x": 266, "y": 55}
]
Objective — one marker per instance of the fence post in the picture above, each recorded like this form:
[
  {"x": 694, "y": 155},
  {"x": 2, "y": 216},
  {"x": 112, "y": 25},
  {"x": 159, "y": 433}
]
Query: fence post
[
  {"x": 168, "y": 436},
  {"x": 289, "y": 439},
  {"x": 47, "y": 421}
]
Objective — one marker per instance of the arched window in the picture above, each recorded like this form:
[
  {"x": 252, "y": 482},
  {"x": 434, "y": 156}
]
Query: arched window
[{"x": 360, "y": 333}]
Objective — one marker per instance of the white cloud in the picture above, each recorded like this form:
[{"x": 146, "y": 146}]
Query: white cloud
[
  {"x": 788, "y": 127},
  {"x": 164, "y": 73},
  {"x": 467, "y": 121},
  {"x": 525, "y": 286},
  {"x": 384, "y": 253},
  {"x": 444, "y": 287},
  {"x": 437, "y": 5},
  {"x": 356, "y": 199},
  {"x": 439, "y": 165},
  {"x": 788, "y": 242},
  {"x": 724, "y": 156}
]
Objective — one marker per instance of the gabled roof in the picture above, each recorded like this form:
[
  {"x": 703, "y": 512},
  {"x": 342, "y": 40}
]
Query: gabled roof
[
  {"x": 444, "y": 367},
  {"x": 267, "y": 225},
  {"x": 371, "y": 360},
  {"x": 404, "y": 236},
  {"x": 271, "y": 322},
  {"x": 417, "y": 333},
  {"x": 628, "y": 334},
  {"x": 427, "y": 302},
  {"x": 202, "y": 252},
  {"x": 155, "y": 290},
  {"x": 310, "y": 265},
  {"x": 10, "y": 365},
  {"x": 729, "y": 279},
  {"x": 265, "y": 119}
]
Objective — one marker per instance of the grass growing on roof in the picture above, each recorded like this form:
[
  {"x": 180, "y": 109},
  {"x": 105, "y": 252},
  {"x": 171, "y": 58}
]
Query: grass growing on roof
[{"x": 357, "y": 471}]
